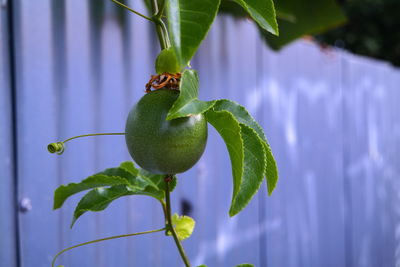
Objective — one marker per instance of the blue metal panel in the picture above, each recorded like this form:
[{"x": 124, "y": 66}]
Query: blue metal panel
[
  {"x": 370, "y": 172},
  {"x": 302, "y": 117},
  {"x": 37, "y": 124},
  {"x": 82, "y": 64},
  {"x": 8, "y": 232}
]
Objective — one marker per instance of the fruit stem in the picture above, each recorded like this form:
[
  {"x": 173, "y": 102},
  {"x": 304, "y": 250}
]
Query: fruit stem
[
  {"x": 169, "y": 225},
  {"x": 161, "y": 29},
  {"x": 103, "y": 239}
]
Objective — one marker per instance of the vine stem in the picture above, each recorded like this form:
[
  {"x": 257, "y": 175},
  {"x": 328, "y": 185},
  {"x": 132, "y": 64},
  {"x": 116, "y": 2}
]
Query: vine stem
[
  {"x": 169, "y": 225},
  {"x": 58, "y": 147},
  {"x": 132, "y": 10},
  {"x": 103, "y": 239},
  {"x": 86, "y": 135},
  {"x": 161, "y": 29}
]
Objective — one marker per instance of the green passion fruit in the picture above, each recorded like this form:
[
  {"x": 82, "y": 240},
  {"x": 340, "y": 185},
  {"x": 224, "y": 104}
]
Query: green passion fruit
[{"x": 160, "y": 146}]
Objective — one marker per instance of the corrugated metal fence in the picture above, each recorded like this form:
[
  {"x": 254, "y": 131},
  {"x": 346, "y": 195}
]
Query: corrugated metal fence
[{"x": 332, "y": 119}]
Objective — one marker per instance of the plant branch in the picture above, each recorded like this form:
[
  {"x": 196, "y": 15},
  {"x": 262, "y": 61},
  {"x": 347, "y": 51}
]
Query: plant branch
[
  {"x": 132, "y": 10},
  {"x": 169, "y": 225},
  {"x": 103, "y": 239},
  {"x": 161, "y": 29}
]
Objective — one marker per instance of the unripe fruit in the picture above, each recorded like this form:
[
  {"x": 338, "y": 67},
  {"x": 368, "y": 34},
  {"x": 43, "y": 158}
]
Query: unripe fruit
[{"x": 160, "y": 146}]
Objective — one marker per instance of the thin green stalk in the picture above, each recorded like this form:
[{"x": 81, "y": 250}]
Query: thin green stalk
[
  {"x": 164, "y": 27},
  {"x": 86, "y": 135},
  {"x": 161, "y": 30},
  {"x": 103, "y": 239},
  {"x": 170, "y": 226},
  {"x": 132, "y": 10},
  {"x": 58, "y": 147}
]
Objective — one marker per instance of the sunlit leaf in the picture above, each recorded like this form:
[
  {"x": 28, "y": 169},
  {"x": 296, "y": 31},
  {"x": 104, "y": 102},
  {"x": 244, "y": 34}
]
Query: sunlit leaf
[
  {"x": 183, "y": 225},
  {"x": 243, "y": 116},
  {"x": 187, "y": 103},
  {"x": 112, "y": 184},
  {"x": 189, "y": 22},
  {"x": 253, "y": 169},
  {"x": 247, "y": 154},
  {"x": 109, "y": 177},
  {"x": 262, "y": 12},
  {"x": 98, "y": 199},
  {"x": 229, "y": 129}
]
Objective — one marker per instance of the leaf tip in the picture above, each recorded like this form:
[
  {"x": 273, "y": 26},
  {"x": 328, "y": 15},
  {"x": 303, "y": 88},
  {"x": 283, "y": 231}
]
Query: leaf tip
[
  {"x": 170, "y": 116},
  {"x": 73, "y": 222},
  {"x": 271, "y": 189},
  {"x": 232, "y": 212}
]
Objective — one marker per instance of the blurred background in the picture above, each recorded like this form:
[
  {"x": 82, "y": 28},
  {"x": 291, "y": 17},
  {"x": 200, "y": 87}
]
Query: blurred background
[{"x": 332, "y": 118}]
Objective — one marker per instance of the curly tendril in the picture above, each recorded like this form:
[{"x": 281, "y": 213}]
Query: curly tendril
[
  {"x": 59, "y": 147},
  {"x": 56, "y": 148}
]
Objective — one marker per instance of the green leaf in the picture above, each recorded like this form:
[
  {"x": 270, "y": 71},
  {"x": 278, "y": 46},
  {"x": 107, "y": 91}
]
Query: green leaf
[
  {"x": 154, "y": 180},
  {"x": 98, "y": 199},
  {"x": 94, "y": 181},
  {"x": 189, "y": 22},
  {"x": 187, "y": 103},
  {"x": 245, "y": 265},
  {"x": 246, "y": 153},
  {"x": 243, "y": 116},
  {"x": 308, "y": 17},
  {"x": 262, "y": 12},
  {"x": 243, "y": 136},
  {"x": 183, "y": 225},
  {"x": 130, "y": 167},
  {"x": 253, "y": 169},
  {"x": 271, "y": 171},
  {"x": 229, "y": 129},
  {"x": 158, "y": 180},
  {"x": 111, "y": 184}
]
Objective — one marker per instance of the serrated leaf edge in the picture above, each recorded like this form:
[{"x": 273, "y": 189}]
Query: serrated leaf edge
[{"x": 260, "y": 181}]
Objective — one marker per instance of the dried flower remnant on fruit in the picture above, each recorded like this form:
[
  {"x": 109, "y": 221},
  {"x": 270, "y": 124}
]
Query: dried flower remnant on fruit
[{"x": 164, "y": 80}]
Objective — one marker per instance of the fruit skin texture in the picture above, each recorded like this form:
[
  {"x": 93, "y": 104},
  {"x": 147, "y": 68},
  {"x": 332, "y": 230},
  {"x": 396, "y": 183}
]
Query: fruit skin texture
[{"x": 160, "y": 146}]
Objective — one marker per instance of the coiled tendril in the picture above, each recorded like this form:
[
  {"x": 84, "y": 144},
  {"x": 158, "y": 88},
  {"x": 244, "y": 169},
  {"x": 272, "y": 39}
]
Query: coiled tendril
[
  {"x": 59, "y": 147},
  {"x": 56, "y": 148}
]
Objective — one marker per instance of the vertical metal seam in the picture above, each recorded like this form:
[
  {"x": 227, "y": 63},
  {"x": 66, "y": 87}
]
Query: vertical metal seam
[
  {"x": 345, "y": 161},
  {"x": 262, "y": 216},
  {"x": 13, "y": 87}
]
